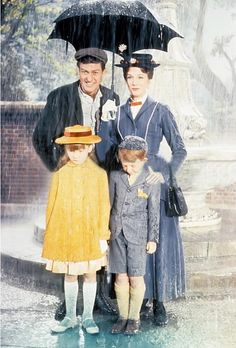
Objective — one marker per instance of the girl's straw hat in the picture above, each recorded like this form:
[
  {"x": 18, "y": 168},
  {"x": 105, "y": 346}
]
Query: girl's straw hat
[{"x": 78, "y": 135}]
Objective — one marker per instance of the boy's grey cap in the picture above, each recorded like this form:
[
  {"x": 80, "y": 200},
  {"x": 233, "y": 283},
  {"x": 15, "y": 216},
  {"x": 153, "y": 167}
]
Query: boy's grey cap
[
  {"x": 92, "y": 52},
  {"x": 133, "y": 142}
]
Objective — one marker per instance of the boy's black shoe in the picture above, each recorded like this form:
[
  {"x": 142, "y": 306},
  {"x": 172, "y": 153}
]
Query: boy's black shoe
[
  {"x": 132, "y": 327},
  {"x": 119, "y": 326},
  {"x": 160, "y": 315}
]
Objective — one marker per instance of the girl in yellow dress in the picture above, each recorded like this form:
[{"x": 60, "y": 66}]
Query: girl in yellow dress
[{"x": 77, "y": 221}]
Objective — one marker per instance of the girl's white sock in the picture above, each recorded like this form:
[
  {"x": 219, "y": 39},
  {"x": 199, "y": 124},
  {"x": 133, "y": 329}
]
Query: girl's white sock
[
  {"x": 89, "y": 294},
  {"x": 71, "y": 294}
]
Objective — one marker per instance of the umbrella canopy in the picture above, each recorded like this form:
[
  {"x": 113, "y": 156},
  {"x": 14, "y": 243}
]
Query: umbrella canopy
[{"x": 107, "y": 24}]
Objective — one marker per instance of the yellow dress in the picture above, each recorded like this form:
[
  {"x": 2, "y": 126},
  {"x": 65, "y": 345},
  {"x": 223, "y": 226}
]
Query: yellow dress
[{"x": 77, "y": 218}]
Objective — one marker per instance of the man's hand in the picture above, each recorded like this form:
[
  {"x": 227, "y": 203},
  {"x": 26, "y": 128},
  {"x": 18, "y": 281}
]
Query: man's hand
[
  {"x": 154, "y": 177},
  {"x": 151, "y": 247}
]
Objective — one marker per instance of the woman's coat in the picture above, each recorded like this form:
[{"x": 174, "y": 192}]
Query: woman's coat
[{"x": 165, "y": 275}]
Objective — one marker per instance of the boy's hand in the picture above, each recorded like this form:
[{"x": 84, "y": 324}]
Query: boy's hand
[
  {"x": 154, "y": 177},
  {"x": 151, "y": 247}
]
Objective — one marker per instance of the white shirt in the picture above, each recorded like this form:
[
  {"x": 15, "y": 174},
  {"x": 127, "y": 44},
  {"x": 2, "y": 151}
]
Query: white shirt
[
  {"x": 135, "y": 109},
  {"x": 89, "y": 107}
]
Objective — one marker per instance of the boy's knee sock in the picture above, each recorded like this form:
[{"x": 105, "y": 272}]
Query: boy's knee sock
[
  {"x": 136, "y": 300},
  {"x": 122, "y": 296},
  {"x": 89, "y": 294},
  {"x": 71, "y": 294}
]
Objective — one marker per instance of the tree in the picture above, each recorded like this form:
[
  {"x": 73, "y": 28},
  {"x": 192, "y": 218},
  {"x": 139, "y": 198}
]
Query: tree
[
  {"x": 26, "y": 59},
  {"x": 203, "y": 71}
]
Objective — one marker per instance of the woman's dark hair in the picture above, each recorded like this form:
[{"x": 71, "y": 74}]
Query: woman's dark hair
[
  {"x": 148, "y": 71},
  {"x": 90, "y": 60}
]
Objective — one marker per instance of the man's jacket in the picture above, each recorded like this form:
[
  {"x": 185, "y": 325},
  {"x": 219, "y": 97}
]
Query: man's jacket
[{"x": 63, "y": 109}]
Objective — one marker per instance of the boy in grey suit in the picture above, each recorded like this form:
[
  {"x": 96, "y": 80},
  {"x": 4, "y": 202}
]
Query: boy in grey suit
[{"x": 134, "y": 225}]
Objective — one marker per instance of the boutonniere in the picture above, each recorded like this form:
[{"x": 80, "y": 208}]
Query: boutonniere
[
  {"x": 109, "y": 110},
  {"x": 142, "y": 194}
]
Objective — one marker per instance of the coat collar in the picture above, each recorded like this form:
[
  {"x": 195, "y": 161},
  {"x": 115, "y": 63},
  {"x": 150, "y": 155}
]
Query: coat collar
[
  {"x": 140, "y": 179},
  {"x": 147, "y": 104}
]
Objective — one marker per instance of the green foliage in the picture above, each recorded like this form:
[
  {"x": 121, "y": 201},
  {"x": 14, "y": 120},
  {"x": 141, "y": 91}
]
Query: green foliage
[{"x": 27, "y": 57}]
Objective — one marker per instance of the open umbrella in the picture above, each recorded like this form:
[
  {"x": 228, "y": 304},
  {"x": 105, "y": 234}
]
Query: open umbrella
[{"x": 109, "y": 25}]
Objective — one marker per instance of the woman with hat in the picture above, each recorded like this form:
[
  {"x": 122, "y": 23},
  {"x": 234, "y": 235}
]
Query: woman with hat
[
  {"x": 77, "y": 220},
  {"x": 153, "y": 121}
]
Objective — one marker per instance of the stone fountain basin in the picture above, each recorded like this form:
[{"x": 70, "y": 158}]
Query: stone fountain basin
[{"x": 208, "y": 167}]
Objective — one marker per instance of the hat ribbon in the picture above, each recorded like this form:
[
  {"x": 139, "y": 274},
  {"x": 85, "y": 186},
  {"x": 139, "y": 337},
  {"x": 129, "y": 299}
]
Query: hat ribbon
[{"x": 77, "y": 134}]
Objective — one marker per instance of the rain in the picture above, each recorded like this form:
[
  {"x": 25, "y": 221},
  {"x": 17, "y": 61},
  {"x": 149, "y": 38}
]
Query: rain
[{"x": 197, "y": 79}]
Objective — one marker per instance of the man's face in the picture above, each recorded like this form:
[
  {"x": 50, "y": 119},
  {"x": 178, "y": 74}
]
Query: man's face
[
  {"x": 78, "y": 153},
  {"x": 90, "y": 78}
]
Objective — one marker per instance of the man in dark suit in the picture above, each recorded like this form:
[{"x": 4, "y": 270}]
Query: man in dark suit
[{"x": 84, "y": 102}]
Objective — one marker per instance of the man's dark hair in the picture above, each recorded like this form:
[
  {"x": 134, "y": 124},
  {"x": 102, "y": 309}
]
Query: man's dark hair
[{"x": 90, "y": 60}]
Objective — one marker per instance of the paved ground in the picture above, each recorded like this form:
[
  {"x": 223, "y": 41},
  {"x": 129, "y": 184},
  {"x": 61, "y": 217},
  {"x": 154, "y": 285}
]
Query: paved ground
[
  {"x": 207, "y": 321},
  {"x": 194, "y": 323}
]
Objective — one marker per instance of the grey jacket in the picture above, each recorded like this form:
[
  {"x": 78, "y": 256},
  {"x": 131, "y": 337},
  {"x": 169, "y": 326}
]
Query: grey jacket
[{"x": 135, "y": 208}]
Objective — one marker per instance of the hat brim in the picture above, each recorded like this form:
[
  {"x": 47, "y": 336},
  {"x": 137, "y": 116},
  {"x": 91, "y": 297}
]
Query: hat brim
[
  {"x": 146, "y": 66},
  {"x": 92, "y": 139}
]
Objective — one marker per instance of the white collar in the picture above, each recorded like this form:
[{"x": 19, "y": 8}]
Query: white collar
[
  {"x": 84, "y": 95},
  {"x": 143, "y": 99}
]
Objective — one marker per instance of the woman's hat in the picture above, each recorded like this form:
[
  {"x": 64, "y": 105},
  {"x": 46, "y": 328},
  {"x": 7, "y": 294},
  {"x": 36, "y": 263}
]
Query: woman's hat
[
  {"x": 78, "y": 135},
  {"x": 138, "y": 60}
]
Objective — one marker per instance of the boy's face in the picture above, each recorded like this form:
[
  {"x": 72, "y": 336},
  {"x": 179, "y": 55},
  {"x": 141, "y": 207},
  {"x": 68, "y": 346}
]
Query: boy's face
[
  {"x": 78, "y": 153},
  {"x": 132, "y": 168}
]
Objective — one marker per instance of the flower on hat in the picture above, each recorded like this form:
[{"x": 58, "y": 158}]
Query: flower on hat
[
  {"x": 133, "y": 60},
  {"x": 122, "y": 48}
]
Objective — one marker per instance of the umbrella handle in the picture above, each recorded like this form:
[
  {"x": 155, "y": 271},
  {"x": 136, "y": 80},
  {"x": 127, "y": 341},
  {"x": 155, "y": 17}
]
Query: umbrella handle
[{"x": 112, "y": 72}]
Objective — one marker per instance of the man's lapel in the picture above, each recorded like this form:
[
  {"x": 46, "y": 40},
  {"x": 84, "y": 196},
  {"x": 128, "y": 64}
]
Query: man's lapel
[{"x": 78, "y": 106}]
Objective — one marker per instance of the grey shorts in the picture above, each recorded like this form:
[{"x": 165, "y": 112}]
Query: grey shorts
[{"x": 126, "y": 257}]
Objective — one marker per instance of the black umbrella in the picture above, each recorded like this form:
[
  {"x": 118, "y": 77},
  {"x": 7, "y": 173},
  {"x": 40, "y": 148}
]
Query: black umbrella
[{"x": 107, "y": 24}]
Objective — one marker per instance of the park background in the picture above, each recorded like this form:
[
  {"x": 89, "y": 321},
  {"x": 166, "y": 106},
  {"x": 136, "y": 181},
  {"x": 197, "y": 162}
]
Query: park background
[{"x": 197, "y": 78}]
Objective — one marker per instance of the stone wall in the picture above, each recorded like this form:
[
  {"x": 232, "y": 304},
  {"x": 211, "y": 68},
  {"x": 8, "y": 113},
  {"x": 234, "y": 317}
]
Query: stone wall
[
  {"x": 24, "y": 178},
  {"x": 223, "y": 198}
]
